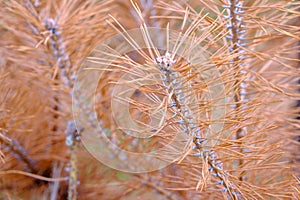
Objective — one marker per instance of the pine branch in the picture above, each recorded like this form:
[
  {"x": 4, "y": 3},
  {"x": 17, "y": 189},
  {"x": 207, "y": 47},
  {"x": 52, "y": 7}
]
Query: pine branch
[
  {"x": 20, "y": 153},
  {"x": 45, "y": 43},
  {"x": 236, "y": 36},
  {"x": 176, "y": 92},
  {"x": 72, "y": 141},
  {"x": 62, "y": 66}
]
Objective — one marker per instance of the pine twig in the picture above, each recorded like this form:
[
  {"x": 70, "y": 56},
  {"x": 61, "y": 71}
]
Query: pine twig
[
  {"x": 20, "y": 153},
  {"x": 236, "y": 36},
  {"x": 174, "y": 87},
  {"x": 63, "y": 65},
  {"x": 73, "y": 141}
]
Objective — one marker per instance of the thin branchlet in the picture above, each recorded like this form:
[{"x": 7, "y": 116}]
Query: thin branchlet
[
  {"x": 63, "y": 66},
  {"x": 72, "y": 140},
  {"x": 58, "y": 49},
  {"x": 20, "y": 153},
  {"x": 236, "y": 37},
  {"x": 174, "y": 87}
]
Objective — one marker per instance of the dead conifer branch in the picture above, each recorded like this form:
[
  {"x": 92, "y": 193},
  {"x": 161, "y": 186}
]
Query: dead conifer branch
[
  {"x": 252, "y": 45},
  {"x": 236, "y": 37},
  {"x": 20, "y": 153},
  {"x": 73, "y": 141}
]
